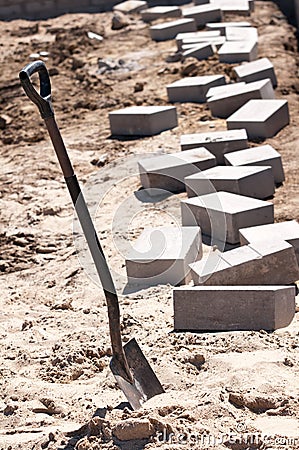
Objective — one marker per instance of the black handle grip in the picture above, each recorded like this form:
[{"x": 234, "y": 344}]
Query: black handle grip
[{"x": 42, "y": 100}]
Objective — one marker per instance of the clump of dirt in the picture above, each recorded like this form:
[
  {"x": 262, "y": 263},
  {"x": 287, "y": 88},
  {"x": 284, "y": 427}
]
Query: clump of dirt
[
  {"x": 17, "y": 250},
  {"x": 68, "y": 363}
]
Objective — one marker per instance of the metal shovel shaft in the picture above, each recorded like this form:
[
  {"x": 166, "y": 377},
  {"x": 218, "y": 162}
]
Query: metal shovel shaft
[
  {"x": 43, "y": 102},
  {"x": 93, "y": 244}
]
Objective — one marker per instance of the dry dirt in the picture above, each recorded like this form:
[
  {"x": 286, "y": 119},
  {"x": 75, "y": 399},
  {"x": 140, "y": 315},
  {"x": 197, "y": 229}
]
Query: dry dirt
[{"x": 57, "y": 391}]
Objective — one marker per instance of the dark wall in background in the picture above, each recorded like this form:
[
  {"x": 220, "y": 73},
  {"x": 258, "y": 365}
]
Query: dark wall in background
[
  {"x": 290, "y": 8},
  {"x": 38, "y": 9},
  {"x": 42, "y": 9}
]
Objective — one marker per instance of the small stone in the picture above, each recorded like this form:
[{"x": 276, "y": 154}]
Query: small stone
[
  {"x": 20, "y": 242},
  {"x": 77, "y": 63},
  {"x": 138, "y": 87},
  {"x": 256, "y": 403},
  {"x": 119, "y": 21},
  {"x": 189, "y": 69},
  {"x": 10, "y": 409},
  {"x": 101, "y": 161},
  {"x": 197, "y": 360},
  {"x": 174, "y": 57},
  {"x": 133, "y": 429},
  {"x": 2, "y": 123},
  {"x": 26, "y": 325},
  {"x": 99, "y": 427},
  {"x": 53, "y": 71},
  {"x": 288, "y": 362},
  {"x": 49, "y": 407}
]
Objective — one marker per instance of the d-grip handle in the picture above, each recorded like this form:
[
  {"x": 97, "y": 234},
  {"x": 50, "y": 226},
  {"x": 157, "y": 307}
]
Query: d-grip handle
[{"x": 42, "y": 99}]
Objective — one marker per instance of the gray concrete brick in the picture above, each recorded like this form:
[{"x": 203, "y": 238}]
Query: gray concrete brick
[
  {"x": 288, "y": 231},
  {"x": 131, "y": 6},
  {"x": 238, "y": 51},
  {"x": 241, "y": 33},
  {"x": 169, "y": 30},
  {"x": 168, "y": 171},
  {"x": 200, "y": 52},
  {"x": 240, "y": 7},
  {"x": 158, "y": 12},
  {"x": 224, "y": 105},
  {"x": 203, "y": 14},
  {"x": 264, "y": 155},
  {"x": 256, "y": 182},
  {"x": 231, "y": 308},
  {"x": 256, "y": 70},
  {"x": 259, "y": 263},
  {"x": 221, "y": 26},
  {"x": 202, "y": 35},
  {"x": 227, "y": 89},
  {"x": 222, "y": 214},
  {"x": 260, "y": 118},
  {"x": 193, "y": 89},
  {"x": 216, "y": 41},
  {"x": 217, "y": 142},
  {"x": 162, "y": 255},
  {"x": 142, "y": 120}
]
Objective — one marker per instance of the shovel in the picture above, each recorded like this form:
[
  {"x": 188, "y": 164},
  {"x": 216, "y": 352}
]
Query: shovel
[{"x": 128, "y": 364}]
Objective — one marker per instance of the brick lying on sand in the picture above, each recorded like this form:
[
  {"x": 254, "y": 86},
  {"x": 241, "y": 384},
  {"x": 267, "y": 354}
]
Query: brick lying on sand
[
  {"x": 261, "y": 118},
  {"x": 162, "y": 255},
  {"x": 259, "y": 263},
  {"x": 201, "y": 35},
  {"x": 288, "y": 231},
  {"x": 232, "y": 308},
  {"x": 224, "y": 90},
  {"x": 256, "y": 182},
  {"x": 225, "y": 104},
  {"x": 203, "y": 14},
  {"x": 221, "y": 26},
  {"x": 193, "y": 89},
  {"x": 264, "y": 155},
  {"x": 217, "y": 142},
  {"x": 215, "y": 41},
  {"x": 169, "y": 170},
  {"x": 222, "y": 214},
  {"x": 256, "y": 70},
  {"x": 241, "y": 33},
  {"x": 238, "y": 51},
  {"x": 131, "y": 6},
  {"x": 158, "y": 12},
  {"x": 240, "y": 7},
  {"x": 142, "y": 120},
  {"x": 200, "y": 52},
  {"x": 169, "y": 30}
]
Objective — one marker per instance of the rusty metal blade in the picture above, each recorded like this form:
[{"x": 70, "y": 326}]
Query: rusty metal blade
[{"x": 145, "y": 385}]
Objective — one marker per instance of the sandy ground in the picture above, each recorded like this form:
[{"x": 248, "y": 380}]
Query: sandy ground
[{"x": 57, "y": 392}]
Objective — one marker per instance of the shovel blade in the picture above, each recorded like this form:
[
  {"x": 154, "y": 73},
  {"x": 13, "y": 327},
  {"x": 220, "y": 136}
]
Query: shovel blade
[{"x": 145, "y": 383}]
